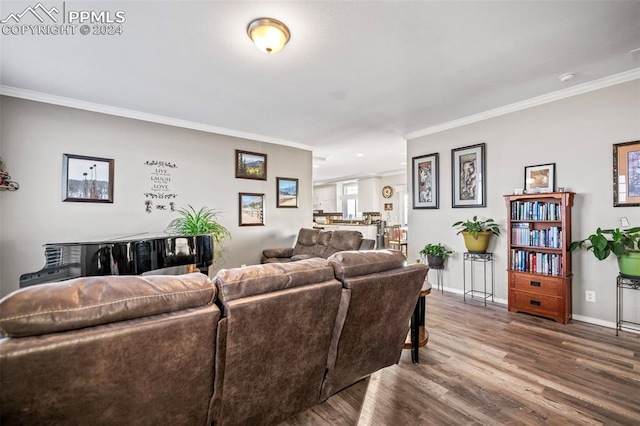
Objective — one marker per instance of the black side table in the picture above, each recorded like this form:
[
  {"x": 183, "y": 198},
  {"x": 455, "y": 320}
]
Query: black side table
[
  {"x": 623, "y": 283},
  {"x": 473, "y": 258}
]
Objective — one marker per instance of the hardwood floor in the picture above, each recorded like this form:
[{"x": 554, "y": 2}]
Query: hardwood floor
[{"x": 487, "y": 366}]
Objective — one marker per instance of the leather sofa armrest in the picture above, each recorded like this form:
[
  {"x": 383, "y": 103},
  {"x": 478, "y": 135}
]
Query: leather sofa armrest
[{"x": 278, "y": 252}]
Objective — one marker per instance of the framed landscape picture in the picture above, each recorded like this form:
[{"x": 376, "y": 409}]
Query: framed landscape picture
[
  {"x": 468, "y": 185},
  {"x": 626, "y": 174},
  {"x": 540, "y": 178},
  {"x": 251, "y": 209},
  {"x": 426, "y": 182},
  {"x": 287, "y": 192},
  {"x": 87, "y": 179},
  {"x": 251, "y": 165}
]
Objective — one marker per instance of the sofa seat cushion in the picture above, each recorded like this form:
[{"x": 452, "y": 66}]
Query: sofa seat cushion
[
  {"x": 298, "y": 257},
  {"x": 261, "y": 279},
  {"x": 354, "y": 263},
  {"x": 90, "y": 301}
]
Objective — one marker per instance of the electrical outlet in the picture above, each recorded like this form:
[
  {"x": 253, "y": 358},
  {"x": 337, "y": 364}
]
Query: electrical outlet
[{"x": 590, "y": 296}]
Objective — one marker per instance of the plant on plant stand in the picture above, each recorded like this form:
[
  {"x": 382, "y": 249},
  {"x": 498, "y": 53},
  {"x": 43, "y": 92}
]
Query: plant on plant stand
[
  {"x": 477, "y": 233},
  {"x": 201, "y": 222},
  {"x": 436, "y": 254},
  {"x": 623, "y": 243}
]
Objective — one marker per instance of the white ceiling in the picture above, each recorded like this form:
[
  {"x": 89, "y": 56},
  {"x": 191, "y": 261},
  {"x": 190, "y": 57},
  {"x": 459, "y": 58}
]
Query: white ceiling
[{"x": 355, "y": 77}]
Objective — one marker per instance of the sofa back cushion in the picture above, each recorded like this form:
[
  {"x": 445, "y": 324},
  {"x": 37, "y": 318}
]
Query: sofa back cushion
[
  {"x": 273, "y": 341},
  {"x": 341, "y": 241},
  {"x": 89, "y": 301},
  {"x": 306, "y": 242},
  {"x": 262, "y": 279},
  {"x": 353, "y": 263},
  {"x": 148, "y": 370},
  {"x": 378, "y": 298}
]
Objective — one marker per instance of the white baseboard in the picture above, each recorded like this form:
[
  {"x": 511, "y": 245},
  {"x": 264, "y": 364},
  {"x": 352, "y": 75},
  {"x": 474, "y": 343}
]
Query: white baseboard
[{"x": 581, "y": 318}]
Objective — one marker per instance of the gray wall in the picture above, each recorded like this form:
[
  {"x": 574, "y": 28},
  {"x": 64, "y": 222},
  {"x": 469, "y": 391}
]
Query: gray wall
[
  {"x": 33, "y": 137},
  {"x": 577, "y": 134}
]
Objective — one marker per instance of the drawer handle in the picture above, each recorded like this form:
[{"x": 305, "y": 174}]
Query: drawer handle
[
  {"x": 534, "y": 302},
  {"x": 535, "y": 283}
]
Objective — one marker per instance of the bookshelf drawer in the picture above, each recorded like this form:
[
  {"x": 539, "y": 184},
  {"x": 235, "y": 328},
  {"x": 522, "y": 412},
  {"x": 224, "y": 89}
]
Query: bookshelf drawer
[
  {"x": 536, "y": 303},
  {"x": 537, "y": 284}
]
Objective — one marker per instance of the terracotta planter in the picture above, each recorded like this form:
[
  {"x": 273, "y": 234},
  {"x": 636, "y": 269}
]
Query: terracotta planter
[
  {"x": 629, "y": 264},
  {"x": 477, "y": 245}
]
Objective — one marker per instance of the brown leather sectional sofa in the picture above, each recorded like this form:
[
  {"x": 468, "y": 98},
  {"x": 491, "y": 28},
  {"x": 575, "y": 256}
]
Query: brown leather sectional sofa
[
  {"x": 256, "y": 346},
  {"x": 317, "y": 243}
]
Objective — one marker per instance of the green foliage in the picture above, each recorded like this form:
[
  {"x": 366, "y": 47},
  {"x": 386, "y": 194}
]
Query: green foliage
[
  {"x": 607, "y": 241},
  {"x": 436, "y": 250},
  {"x": 201, "y": 222},
  {"x": 474, "y": 226}
]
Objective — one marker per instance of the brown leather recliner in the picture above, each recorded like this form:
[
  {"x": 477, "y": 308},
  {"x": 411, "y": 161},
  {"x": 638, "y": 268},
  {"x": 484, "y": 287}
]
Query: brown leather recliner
[
  {"x": 109, "y": 350},
  {"x": 317, "y": 243}
]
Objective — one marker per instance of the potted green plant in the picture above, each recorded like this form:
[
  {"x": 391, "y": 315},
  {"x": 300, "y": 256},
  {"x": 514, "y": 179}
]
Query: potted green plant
[
  {"x": 477, "y": 233},
  {"x": 201, "y": 222},
  {"x": 623, "y": 243},
  {"x": 436, "y": 254}
]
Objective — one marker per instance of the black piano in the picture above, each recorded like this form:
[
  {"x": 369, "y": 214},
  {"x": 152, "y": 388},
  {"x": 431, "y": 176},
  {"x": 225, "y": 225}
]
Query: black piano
[{"x": 139, "y": 254}]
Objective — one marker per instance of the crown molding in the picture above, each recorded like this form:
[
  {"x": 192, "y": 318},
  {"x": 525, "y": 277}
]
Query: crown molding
[
  {"x": 529, "y": 103},
  {"x": 143, "y": 116}
]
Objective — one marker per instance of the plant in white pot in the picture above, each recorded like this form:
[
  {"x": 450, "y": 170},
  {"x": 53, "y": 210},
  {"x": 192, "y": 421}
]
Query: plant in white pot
[
  {"x": 435, "y": 254},
  {"x": 477, "y": 233},
  {"x": 623, "y": 243}
]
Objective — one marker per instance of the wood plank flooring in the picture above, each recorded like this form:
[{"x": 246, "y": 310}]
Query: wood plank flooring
[{"x": 487, "y": 366}]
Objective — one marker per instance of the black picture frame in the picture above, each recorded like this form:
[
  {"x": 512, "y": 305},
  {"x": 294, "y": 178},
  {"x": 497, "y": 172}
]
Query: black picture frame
[
  {"x": 540, "y": 178},
  {"x": 251, "y": 165},
  {"x": 626, "y": 174},
  {"x": 286, "y": 193},
  {"x": 426, "y": 181},
  {"x": 468, "y": 178},
  {"x": 250, "y": 209},
  {"x": 87, "y": 179}
]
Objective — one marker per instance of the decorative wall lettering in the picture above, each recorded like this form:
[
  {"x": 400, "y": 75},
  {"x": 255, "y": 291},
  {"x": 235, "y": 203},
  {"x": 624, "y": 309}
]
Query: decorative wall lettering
[{"x": 160, "y": 180}]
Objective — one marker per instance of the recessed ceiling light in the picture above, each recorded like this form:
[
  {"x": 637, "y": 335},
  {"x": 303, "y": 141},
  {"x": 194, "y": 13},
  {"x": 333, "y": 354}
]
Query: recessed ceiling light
[
  {"x": 566, "y": 77},
  {"x": 403, "y": 164},
  {"x": 359, "y": 155},
  {"x": 315, "y": 165}
]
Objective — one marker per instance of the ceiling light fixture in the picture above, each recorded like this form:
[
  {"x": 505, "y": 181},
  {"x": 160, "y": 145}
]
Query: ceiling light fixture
[
  {"x": 269, "y": 35},
  {"x": 566, "y": 77}
]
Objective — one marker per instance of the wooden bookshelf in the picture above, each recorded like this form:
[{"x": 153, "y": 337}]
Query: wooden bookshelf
[{"x": 539, "y": 267}]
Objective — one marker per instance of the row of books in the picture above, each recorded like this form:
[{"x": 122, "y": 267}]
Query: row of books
[
  {"x": 538, "y": 263},
  {"x": 535, "y": 210},
  {"x": 522, "y": 235}
]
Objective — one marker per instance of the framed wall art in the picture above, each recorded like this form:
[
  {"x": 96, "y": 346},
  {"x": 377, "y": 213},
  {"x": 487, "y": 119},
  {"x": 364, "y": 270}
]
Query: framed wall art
[
  {"x": 626, "y": 174},
  {"x": 287, "y": 192},
  {"x": 426, "y": 184},
  {"x": 540, "y": 178},
  {"x": 251, "y": 209},
  {"x": 87, "y": 179},
  {"x": 251, "y": 165},
  {"x": 468, "y": 183}
]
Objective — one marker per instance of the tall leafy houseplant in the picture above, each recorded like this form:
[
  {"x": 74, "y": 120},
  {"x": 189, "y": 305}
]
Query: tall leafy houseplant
[
  {"x": 201, "y": 222},
  {"x": 477, "y": 233},
  {"x": 623, "y": 243}
]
